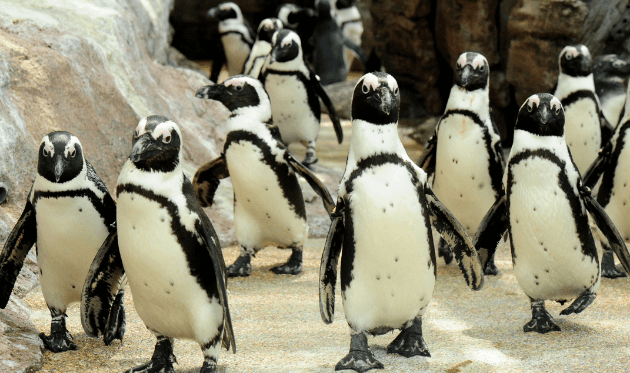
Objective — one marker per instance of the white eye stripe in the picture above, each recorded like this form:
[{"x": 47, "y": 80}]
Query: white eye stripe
[
  {"x": 48, "y": 147},
  {"x": 461, "y": 61},
  {"x": 531, "y": 101}
]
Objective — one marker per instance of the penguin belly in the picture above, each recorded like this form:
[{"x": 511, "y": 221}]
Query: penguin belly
[
  {"x": 618, "y": 207},
  {"x": 583, "y": 132},
  {"x": 547, "y": 251},
  {"x": 391, "y": 268},
  {"x": 612, "y": 108},
  {"x": 168, "y": 299},
  {"x": 69, "y": 233},
  {"x": 262, "y": 214},
  {"x": 236, "y": 52},
  {"x": 462, "y": 177},
  {"x": 290, "y": 109}
]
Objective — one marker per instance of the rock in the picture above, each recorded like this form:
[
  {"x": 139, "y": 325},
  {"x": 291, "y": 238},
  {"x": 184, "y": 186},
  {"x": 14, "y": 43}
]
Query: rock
[
  {"x": 341, "y": 96},
  {"x": 20, "y": 345}
]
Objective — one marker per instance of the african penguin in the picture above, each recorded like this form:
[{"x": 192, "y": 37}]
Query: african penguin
[
  {"x": 467, "y": 149},
  {"x": 302, "y": 20},
  {"x": 294, "y": 91},
  {"x": 609, "y": 74},
  {"x": 544, "y": 208},
  {"x": 349, "y": 20},
  {"x": 268, "y": 203},
  {"x": 261, "y": 47},
  {"x": 68, "y": 215},
  {"x": 383, "y": 223},
  {"x": 169, "y": 250},
  {"x": 576, "y": 91},
  {"x": 237, "y": 38}
]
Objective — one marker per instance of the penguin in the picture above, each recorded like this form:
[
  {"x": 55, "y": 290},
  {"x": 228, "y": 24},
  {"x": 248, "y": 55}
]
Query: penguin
[
  {"x": 544, "y": 209},
  {"x": 268, "y": 203},
  {"x": 586, "y": 128},
  {"x": 169, "y": 251},
  {"x": 261, "y": 47},
  {"x": 382, "y": 220},
  {"x": 237, "y": 38},
  {"x": 294, "y": 91},
  {"x": 466, "y": 154},
  {"x": 609, "y": 75},
  {"x": 302, "y": 20},
  {"x": 349, "y": 20},
  {"x": 68, "y": 215}
]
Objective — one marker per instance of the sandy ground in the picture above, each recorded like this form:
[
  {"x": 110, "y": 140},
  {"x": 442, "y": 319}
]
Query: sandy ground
[{"x": 278, "y": 326}]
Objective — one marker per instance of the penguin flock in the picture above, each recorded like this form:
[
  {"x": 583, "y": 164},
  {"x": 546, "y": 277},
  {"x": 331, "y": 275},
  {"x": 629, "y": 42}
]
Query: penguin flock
[{"x": 562, "y": 187}]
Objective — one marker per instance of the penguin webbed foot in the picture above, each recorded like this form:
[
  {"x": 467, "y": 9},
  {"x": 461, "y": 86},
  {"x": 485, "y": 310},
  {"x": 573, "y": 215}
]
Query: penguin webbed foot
[
  {"x": 360, "y": 358},
  {"x": 310, "y": 158},
  {"x": 242, "y": 267},
  {"x": 116, "y": 324},
  {"x": 609, "y": 270},
  {"x": 491, "y": 268},
  {"x": 445, "y": 251},
  {"x": 208, "y": 367},
  {"x": 410, "y": 342},
  {"x": 542, "y": 321},
  {"x": 161, "y": 361},
  {"x": 293, "y": 266},
  {"x": 580, "y": 304},
  {"x": 58, "y": 341}
]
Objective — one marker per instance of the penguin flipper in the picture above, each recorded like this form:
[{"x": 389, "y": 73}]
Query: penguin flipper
[
  {"x": 100, "y": 286},
  {"x": 17, "y": 246},
  {"x": 491, "y": 229},
  {"x": 456, "y": 237},
  {"x": 498, "y": 147},
  {"x": 595, "y": 170},
  {"x": 313, "y": 181},
  {"x": 328, "y": 267},
  {"x": 334, "y": 117},
  {"x": 427, "y": 159},
  {"x": 207, "y": 180},
  {"x": 606, "y": 128},
  {"x": 356, "y": 50}
]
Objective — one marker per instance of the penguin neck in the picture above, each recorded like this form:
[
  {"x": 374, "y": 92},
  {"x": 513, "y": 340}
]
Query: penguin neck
[
  {"x": 568, "y": 84},
  {"x": 251, "y": 118},
  {"x": 477, "y": 101},
  {"x": 297, "y": 64},
  {"x": 156, "y": 180},
  {"x": 77, "y": 183},
  {"x": 370, "y": 139}
]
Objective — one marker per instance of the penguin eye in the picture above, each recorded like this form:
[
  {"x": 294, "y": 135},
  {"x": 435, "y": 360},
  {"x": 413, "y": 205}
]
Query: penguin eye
[
  {"x": 365, "y": 89},
  {"x": 74, "y": 152},
  {"x": 557, "y": 111},
  {"x": 530, "y": 107},
  {"x": 167, "y": 139},
  {"x": 46, "y": 152},
  {"x": 238, "y": 87},
  {"x": 568, "y": 57},
  {"x": 396, "y": 91},
  {"x": 135, "y": 134},
  {"x": 482, "y": 67}
]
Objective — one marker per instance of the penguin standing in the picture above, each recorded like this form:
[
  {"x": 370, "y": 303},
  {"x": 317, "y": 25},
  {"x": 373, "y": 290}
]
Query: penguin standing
[
  {"x": 383, "y": 222},
  {"x": 544, "y": 208},
  {"x": 301, "y": 20},
  {"x": 609, "y": 74},
  {"x": 68, "y": 214},
  {"x": 237, "y": 38},
  {"x": 268, "y": 203},
  {"x": 261, "y": 47},
  {"x": 468, "y": 156},
  {"x": 294, "y": 91},
  {"x": 169, "y": 250},
  {"x": 348, "y": 18}
]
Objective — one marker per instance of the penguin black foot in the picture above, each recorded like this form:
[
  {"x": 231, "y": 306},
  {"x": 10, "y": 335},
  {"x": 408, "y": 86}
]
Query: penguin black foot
[
  {"x": 310, "y": 161},
  {"x": 491, "y": 268},
  {"x": 360, "y": 358},
  {"x": 580, "y": 303},
  {"x": 310, "y": 158},
  {"x": 292, "y": 267},
  {"x": 209, "y": 366},
  {"x": 445, "y": 251},
  {"x": 161, "y": 361},
  {"x": 116, "y": 322},
  {"x": 609, "y": 270},
  {"x": 541, "y": 321},
  {"x": 242, "y": 267},
  {"x": 410, "y": 342},
  {"x": 59, "y": 339}
]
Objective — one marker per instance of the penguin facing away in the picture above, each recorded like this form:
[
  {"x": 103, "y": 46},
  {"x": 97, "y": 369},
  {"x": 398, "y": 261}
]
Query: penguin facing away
[
  {"x": 261, "y": 47},
  {"x": 544, "y": 208},
  {"x": 169, "y": 250},
  {"x": 68, "y": 214},
  {"x": 294, "y": 91},
  {"x": 609, "y": 74},
  {"x": 268, "y": 203},
  {"x": 382, "y": 221},
  {"x": 465, "y": 154}
]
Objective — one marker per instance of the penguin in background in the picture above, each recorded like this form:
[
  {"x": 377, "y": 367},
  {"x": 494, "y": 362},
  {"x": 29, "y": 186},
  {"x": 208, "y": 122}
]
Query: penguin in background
[
  {"x": 465, "y": 154},
  {"x": 586, "y": 127},
  {"x": 268, "y": 203},
  {"x": 610, "y": 73},
  {"x": 302, "y": 20},
  {"x": 381, "y": 227},
  {"x": 169, "y": 251},
  {"x": 237, "y": 38},
  {"x": 544, "y": 209},
  {"x": 68, "y": 215},
  {"x": 261, "y": 47},
  {"x": 294, "y": 91},
  {"x": 349, "y": 20}
]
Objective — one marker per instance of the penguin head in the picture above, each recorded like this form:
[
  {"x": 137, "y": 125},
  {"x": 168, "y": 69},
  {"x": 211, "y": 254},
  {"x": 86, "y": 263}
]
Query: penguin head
[
  {"x": 225, "y": 11},
  {"x": 575, "y": 60},
  {"x": 610, "y": 65},
  {"x": 60, "y": 157},
  {"x": 472, "y": 71},
  {"x": 237, "y": 92},
  {"x": 343, "y": 4},
  {"x": 292, "y": 15},
  {"x": 376, "y": 99},
  {"x": 285, "y": 46},
  {"x": 542, "y": 114},
  {"x": 324, "y": 9},
  {"x": 267, "y": 28},
  {"x": 157, "y": 142}
]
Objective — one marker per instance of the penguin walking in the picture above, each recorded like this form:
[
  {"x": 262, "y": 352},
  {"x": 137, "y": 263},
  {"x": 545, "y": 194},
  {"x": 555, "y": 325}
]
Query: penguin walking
[
  {"x": 586, "y": 128},
  {"x": 261, "y": 47},
  {"x": 383, "y": 222},
  {"x": 237, "y": 38},
  {"x": 544, "y": 208},
  {"x": 609, "y": 75},
  {"x": 169, "y": 250},
  {"x": 268, "y": 203},
  {"x": 68, "y": 215},
  {"x": 294, "y": 91},
  {"x": 466, "y": 156}
]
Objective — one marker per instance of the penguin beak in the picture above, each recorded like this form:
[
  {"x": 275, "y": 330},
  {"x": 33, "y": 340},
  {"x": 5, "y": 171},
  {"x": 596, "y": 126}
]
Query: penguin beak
[
  {"x": 144, "y": 149},
  {"x": 386, "y": 100},
  {"x": 60, "y": 166},
  {"x": 211, "y": 92},
  {"x": 272, "y": 56},
  {"x": 467, "y": 76},
  {"x": 544, "y": 114}
]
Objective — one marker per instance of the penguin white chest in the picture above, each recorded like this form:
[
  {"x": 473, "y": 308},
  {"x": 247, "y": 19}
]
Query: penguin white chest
[
  {"x": 618, "y": 208},
  {"x": 236, "y": 52},
  {"x": 583, "y": 132},
  {"x": 391, "y": 268},
  {"x": 612, "y": 108},
  {"x": 69, "y": 233},
  {"x": 548, "y": 258},
  {"x": 262, "y": 214}
]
